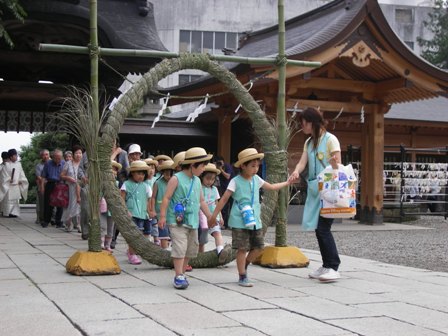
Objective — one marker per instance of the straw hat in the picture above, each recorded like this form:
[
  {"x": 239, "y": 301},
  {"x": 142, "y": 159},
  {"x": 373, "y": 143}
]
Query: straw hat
[
  {"x": 178, "y": 158},
  {"x": 138, "y": 165},
  {"x": 248, "y": 154},
  {"x": 210, "y": 167},
  {"x": 162, "y": 157},
  {"x": 167, "y": 164},
  {"x": 150, "y": 161},
  {"x": 117, "y": 165},
  {"x": 135, "y": 149},
  {"x": 196, "y": 154}
]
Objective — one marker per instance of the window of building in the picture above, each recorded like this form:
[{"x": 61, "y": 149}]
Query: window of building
[
  {"x": 404, "y": 15},
  {"x": 206, "y": 42},
  {"x": 184, "y": 79}
]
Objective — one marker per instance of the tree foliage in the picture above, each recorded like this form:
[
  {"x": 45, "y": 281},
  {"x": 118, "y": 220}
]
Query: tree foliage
[
  {"x": 29, "y": 156},
  {"x": 436, "y": 49},
  {"x": 14, "y": 9}
]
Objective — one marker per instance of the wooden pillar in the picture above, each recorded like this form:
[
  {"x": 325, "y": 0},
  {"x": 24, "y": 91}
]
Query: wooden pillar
[
  {"x": 372, "y": 167},
  {"x": 225, "y": 137}
]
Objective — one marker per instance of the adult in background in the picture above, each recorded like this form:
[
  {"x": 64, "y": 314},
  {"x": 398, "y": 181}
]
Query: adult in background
[
  {"x": 134, "y": 153},
  {"x": 68, "y": 156},
  {"x": 51, "y": 175},
  {"x": 70, "y": 174},
  {"x": 121, "y": 156},
  {"x": 13, "y": 185},
  {"x": 226, "y": 174},
  {"x": 44, "y": 157},
  {"x": 321, "y": 149},
  {"x": 5, "y": 158}
]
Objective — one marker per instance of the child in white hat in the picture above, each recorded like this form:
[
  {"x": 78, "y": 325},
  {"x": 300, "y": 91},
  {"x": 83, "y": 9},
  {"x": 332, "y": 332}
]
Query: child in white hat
[
  {"x": 137, "y": 195},
  {"x": 244, "y": 219},
  {"x": 180, "y": 210},
  {"x": 134, "y": 153}
]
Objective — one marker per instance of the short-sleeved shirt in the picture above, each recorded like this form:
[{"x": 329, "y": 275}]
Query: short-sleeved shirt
[
  {"x": 137, "y": 196},
  {"x": 242, "y": 194},
  {"x": 332, "y": 144},
  {"x": 151, "y": 181},
  {"x": 211, "y": 195},
  {"x": 192, "y": 206},
  {"x": 52, "y": 171},
  {"x": 39, "y": 168}
]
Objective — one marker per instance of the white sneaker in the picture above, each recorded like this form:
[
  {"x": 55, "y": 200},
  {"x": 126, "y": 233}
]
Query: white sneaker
[
  {"x": 329, "y": 275},
  {"x": 317, "y": 273}
]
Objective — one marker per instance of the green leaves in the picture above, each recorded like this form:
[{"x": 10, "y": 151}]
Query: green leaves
[
  {"x": 436, "y": 49},
  {"x": 10, "y": 8}
]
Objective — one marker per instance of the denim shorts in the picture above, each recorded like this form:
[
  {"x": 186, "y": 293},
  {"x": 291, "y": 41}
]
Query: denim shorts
[
  {"x": 139, "y": 222},
  {"x": 202, "y": 236},
  {"x": 151, "y": 228}
]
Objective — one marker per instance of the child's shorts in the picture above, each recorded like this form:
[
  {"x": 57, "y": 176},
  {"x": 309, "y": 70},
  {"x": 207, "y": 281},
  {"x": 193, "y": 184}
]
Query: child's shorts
[
  {"x": 247, "y": 239},
  {"x": 184, "y": 242},
  {"x": 202, "y": 236},
  {"x": 164, "y": 233},
  {"x": 214, "y": 229},
  {"x": 151, "y": 227},
  {"x": 139, "y": 222}
]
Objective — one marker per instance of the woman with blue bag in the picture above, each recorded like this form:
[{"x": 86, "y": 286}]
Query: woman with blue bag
[{"x": 320, "y": 150}]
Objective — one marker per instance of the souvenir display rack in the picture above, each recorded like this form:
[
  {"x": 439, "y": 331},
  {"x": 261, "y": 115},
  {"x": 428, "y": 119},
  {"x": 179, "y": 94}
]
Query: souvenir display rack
[{"x": 415, "y": 188}]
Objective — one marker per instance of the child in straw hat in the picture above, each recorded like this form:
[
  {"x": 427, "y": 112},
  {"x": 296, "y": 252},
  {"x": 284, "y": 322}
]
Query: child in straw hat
[
  {"x": 158, "y": 191},
  {"x": 211, "y": 197},
  {"x": 180, "y": 210},
  {"x": 244, "y": 219},
  {"x": 137, "y": 195}
]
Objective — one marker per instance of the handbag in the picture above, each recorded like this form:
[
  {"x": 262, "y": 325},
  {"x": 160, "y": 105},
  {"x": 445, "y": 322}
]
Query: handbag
[
  {"x": 103, "y": 205},
  {"x": 59, "y": 196}
]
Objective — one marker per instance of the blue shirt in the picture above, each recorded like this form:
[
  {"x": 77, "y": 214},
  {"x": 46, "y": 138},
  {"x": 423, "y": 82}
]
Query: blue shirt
[{"x": 51, "y": 171}]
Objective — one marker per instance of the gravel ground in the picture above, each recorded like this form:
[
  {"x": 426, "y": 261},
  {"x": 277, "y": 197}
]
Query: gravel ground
[{"x": 427, "y": 249}]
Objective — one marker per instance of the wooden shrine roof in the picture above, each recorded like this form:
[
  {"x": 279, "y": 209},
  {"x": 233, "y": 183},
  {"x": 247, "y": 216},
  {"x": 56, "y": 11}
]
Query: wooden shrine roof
[
  {"x": 361, "y": 57},
  {"x": 121, "y": 24}
]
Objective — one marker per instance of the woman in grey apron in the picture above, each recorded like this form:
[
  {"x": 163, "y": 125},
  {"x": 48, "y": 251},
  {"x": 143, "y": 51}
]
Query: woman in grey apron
[{"x": 321, "y": 149}]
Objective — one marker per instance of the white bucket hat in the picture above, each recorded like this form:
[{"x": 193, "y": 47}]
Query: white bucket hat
[{"x": 135, "y": 149}]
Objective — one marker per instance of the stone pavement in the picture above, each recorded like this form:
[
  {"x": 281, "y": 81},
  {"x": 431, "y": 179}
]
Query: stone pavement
[{"x": 37, "y": 296}]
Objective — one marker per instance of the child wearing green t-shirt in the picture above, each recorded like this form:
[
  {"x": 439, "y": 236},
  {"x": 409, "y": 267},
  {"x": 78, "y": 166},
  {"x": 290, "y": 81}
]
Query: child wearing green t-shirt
[
  {"x": 180, "y": 210},
  {"x": 244, "y": 219}
]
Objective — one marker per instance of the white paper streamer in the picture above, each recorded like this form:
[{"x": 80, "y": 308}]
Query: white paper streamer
[{"x": 162, "y": 110}]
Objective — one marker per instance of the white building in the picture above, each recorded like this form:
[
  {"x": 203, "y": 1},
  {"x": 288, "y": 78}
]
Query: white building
[{"x": 211, "y": 25}]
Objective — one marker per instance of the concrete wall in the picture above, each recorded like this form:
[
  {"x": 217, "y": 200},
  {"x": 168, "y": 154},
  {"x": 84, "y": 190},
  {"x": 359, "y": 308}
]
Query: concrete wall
[
  {"x": 251, "y": 15},
  {"x": 220, "y": 16},
  {"x": 408, "y": 31}
]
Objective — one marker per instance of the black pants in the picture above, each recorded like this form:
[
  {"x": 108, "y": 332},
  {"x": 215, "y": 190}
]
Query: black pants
[{"x": 48, "y": 209}]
